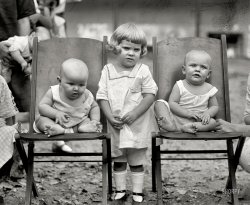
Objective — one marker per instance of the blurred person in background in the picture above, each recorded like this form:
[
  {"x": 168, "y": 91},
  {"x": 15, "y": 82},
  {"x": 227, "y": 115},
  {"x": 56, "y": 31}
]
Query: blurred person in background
[{"x": 14, "y": 18}]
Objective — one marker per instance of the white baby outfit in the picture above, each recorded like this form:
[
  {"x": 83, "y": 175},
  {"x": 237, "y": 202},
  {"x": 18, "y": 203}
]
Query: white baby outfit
[
  {"x": 20, "y": 43},
  {"x": 77, "y": 115},
  {"x": 189, "y": 101}
]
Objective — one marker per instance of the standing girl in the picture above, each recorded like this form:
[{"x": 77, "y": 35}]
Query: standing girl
[{"x": 126, "y": 93}]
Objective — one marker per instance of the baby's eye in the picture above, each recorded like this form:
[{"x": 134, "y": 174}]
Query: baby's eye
[
  {"x": 193, "y": 65},
  {"x": 204, "y": 67}
]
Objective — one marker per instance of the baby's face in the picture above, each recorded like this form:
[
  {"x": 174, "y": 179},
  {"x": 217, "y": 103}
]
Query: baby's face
[
  {"x": 73, "y": 84},
  {"x": 197, "y": 67}
]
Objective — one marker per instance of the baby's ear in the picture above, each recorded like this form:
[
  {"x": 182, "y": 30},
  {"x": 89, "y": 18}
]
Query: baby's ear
[
  {"x": 209, "y": 74},
  {"x": 183, "y": 69}
]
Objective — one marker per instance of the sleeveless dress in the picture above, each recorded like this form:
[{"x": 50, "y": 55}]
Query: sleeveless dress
[
  {"x": 77, "y": 114},
  {"x": 196, "y": 103}
]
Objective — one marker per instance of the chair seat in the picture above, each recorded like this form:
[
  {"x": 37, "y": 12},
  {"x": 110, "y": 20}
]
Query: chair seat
[
  {"x": 71, "y": 137},
  {"x": 198, "y": 135}
]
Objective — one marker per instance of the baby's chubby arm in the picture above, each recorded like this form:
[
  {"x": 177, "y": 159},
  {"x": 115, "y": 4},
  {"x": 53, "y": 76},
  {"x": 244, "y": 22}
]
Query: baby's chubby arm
[
  {"x": 16, "y": 55},
  {"x": 95, "y": 113},
  {"x": 213, "y": 109},
  {"x": 45, "y": 109},
  {"x": 134, "y": 114},
  {"x": 174, "y": 100}
]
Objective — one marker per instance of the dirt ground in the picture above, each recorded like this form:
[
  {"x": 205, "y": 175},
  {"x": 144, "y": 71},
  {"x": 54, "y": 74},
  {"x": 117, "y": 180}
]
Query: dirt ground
[{"x": 184, "y": 182}]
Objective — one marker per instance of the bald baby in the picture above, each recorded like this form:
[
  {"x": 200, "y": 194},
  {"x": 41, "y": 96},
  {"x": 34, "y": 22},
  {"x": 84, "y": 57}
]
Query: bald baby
[
  {"x": 74, "y": 69},
  {"x": 198, "y": 54}
]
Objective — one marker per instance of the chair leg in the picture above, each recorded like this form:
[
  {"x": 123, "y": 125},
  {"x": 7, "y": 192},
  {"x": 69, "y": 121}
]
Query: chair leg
[
  {"x": 153, "y": 160},
  {"x": 232, "y": 169},
  {"x": 109, "y": 166},
  {"x": 23, "y": 156},
  {"x": 237, "y": 155},
  {"x": 29, "y": 173},
  {"x": 158, "y": 175},
  {"x": 104, "y": 172}
]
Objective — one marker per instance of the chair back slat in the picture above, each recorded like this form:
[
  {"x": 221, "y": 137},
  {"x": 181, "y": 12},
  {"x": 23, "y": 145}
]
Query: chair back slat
[{"x": 169, "y": 57}]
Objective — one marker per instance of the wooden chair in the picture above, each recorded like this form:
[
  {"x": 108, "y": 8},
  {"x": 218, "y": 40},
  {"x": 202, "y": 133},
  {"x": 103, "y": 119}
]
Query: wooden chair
[
  {"x": 47, "y": 58},
  {"x": 168, "y": 57}
]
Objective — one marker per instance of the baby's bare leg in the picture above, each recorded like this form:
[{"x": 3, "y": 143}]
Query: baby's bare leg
[
  {"x": 163, "y": 117},
  {"x": 225, "y": 126},
  {"x": 48, "y": 126},
  {"x": 207, "y": 127}
]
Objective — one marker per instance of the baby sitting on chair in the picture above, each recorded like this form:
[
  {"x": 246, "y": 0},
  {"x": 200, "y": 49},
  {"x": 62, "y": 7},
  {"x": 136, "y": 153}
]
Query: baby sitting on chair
[
  {"x": 69, "y": 107},
  {"x": 192, "y": 103}
]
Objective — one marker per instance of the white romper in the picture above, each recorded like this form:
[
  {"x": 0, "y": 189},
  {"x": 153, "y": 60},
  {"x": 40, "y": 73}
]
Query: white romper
[{"x": 196, "y": 103}]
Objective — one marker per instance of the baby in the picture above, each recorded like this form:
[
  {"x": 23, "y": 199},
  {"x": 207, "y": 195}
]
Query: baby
[
  {"x": 69, "y": 107},
  {"x": 20, "y": 49},
  {"x": 192, "y": 103}
]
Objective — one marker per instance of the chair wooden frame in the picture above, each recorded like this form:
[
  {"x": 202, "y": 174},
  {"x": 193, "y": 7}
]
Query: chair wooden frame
[
  {"x": 45, "y": 47},
  {"x": 233, "y": 157}
]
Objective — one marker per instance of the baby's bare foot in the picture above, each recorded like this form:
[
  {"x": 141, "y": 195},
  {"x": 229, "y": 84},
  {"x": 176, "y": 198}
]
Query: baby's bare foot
[
  {"x": 91, "y": 126},
  {"x": 55, "y": 129},
  {"x": 189, "y": 128},
  {"x": 225, "y": 126},
  {"x": 166, "y": 124}
]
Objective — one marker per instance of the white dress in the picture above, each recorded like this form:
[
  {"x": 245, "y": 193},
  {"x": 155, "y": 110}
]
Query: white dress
[
  {"x": 77, "y": 114},
  {"x": 189, "y": 101},
  {"x": 124, "y": 91}
]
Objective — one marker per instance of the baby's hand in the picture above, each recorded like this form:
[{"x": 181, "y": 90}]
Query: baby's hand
[
  {"x": 194, "y": 115},
  {"x": 24, "y": 65},
  {"x": 205, "y": 118},
  {"x": 98, "y": 125},
  {"x": 129, "y": 118},
  {"x": 61, "y": 117},
  {"x": 27, "y": 70}
]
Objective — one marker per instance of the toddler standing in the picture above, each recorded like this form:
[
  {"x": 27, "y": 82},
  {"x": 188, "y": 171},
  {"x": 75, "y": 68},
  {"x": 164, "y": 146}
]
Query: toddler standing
[
  {"x": 126, "y": 93},
  {"x": 192, "y": 103}
]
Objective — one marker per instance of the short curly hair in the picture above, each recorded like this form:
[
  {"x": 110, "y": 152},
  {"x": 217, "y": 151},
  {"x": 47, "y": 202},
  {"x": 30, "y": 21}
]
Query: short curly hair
[{"x": 129, "y": 32}]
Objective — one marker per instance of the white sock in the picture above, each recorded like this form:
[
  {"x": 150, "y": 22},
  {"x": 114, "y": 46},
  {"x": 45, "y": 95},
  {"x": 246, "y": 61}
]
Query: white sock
[
  {"x": 120, "y": 183},
  {"x": 137, "y": 184}
]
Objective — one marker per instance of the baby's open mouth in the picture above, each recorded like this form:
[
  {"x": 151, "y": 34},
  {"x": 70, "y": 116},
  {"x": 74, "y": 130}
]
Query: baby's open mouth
[{"x": 196, "y": 75}]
